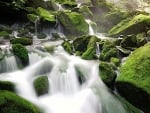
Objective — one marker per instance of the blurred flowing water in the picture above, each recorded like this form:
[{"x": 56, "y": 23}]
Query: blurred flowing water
[{"x": 66, "y": 93}]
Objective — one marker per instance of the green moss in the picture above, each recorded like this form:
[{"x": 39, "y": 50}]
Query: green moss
[
  {"x": 80, "y": 43},
  {"x": 41, "y": 85},
  {"x": 89, "y": 54},
  {"x": 115, "y": 61},
  {"x": 69, "y": 2},
  {"x": 21, "y": 52},
  {"x": 74, "y": 23},
  {"x": 85, "y": 11},
  {"x": 49, "y": 49},
  {"x": 11, "y": 103},
  {"x": 133, "y": 25},
  {"x": 6, "y": 85},
  {"x": 108, "y": 50},
  {"x": 4, "y": 34},
  {"x": 107, "y": 73},
  {"x": 23, "y": 41},
  {"x": 135, "y": 77},
  {"x": 68, "y": 47},
  {"x": 32, "y": 17},
  {"x": 46, "y": 15},
  {"x": 92, "y": 42}
]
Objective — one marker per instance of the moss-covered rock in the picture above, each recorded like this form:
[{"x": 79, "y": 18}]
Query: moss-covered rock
[
  {"x": 55, "y": 36},
  {"x": 46, "y": 15},
  {"x": 129, "y": 42},
  {"x": 134, "y": 25},
  {"x": 80, "y": 43},
  {"x": 68, "y": 47},
  {"x": 4, "y": 34},
  {"x": 6, "y": 85},
  {"x": 108, "y": 50},
  {"x": 73, "y": 23},
  {"x": 23, "y": 41},
  {"x": 115, "y": 61},
  {"x": 133, "y": 82},
  {"x": 107, "y": 73},
  {"x": 89, "y": 54},
  {"x": 69, "y": 2},
  {"x": 2, "y": 55},
  {"x": 85, "y": 11},
  {"x": 41, "y": 85},
  {"x": 21, "y": 52},
  {"x": 12, "y": 103},
  {"x": 32, "y": 18},
  {"x": 122, "y": 52}
]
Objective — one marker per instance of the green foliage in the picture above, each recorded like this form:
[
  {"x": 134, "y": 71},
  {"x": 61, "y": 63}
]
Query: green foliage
[
  {"x": 21, "y": 52},
  {"x": 6, "y": 85},
  {"x": 89, "y": 54},
  {"x": 41, "y": 85},
  {"x": 11, "y": 103},
  {"x": 67, "y": 46},
  {"x": 134, "y": 25},
  {"x": 74, "y": 23},
  {"x": 46, "y": 15},
  {"x": 23, "y": 41}
]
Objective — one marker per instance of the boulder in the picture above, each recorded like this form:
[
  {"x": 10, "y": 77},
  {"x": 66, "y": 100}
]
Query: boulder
[
  {"x": 132, "y": 25},
  {"x": 41, "y": 85},
  {"x": 12, "y": 103},
  {"x": 21, "y": 52},
  {"x": 68, "y": 47},
  {"x": 73, "y": 23},
  {"x": 108, "y": 50},
  {"x": 23, "y": 41},
  {"x": 46, "y": 15},
  {"x": 134, "y": 79},
  {"x": 6, "y": 85},
  {"x": 89, "y": 54},
  {"x": 107, "y": 73}
]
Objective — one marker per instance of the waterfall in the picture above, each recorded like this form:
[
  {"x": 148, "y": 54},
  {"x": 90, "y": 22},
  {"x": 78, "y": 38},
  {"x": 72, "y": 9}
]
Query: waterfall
[
  {"x": 66, "y": 94},
  {"x": 91, "y": 30},
  {"x": 8, "y": 64},
  {"x": 36, "y": 22},
  {"x": 97, "y": 50}
]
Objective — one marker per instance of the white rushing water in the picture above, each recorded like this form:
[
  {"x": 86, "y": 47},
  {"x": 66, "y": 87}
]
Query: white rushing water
[{"x": 66, "y": 94}]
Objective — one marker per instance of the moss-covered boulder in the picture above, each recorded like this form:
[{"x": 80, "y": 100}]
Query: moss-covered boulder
[
  {"x": 85, "y": 11},
  {"x": 69, "y": 2},
  {"x": 134, "y": 80},
  {"x": 32, "y": 17},
  {"x": 134, "y": 25},
  {"x": 73, "y": 23},
  {"x": 12, "y": 103},
  {"x": 108, "y": 50},
  {"x": 115, "y": 61},
  {"x": 6, "y": 85},
  {"x": 23, "y": 41},
  {"x": 107, "y": 73},
  {"x": 46, "y": 15},
  {"x": 68, "y": 47},
  {"x": 21, "y": 52},
  {"x": 4, "y": 34},
  {"x": 41, "y": 85},
  {"x": 89, "y": 54},
  {"x": 55, "y": 36},
  {"x": 80, "y": 43}
]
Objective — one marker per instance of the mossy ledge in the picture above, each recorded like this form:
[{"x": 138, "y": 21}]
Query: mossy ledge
[{"x": 12, "y": 103}]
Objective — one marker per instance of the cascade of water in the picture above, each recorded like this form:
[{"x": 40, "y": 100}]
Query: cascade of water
[
  {"x": 8, "y": 64},
  {"x": 66, "y": 94},
  {"x": 60, "y": 8},
  {"x": 36, "y": 22},
  {"x": 91, "y": 30},
  {"x": 97, "y": 50}
]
